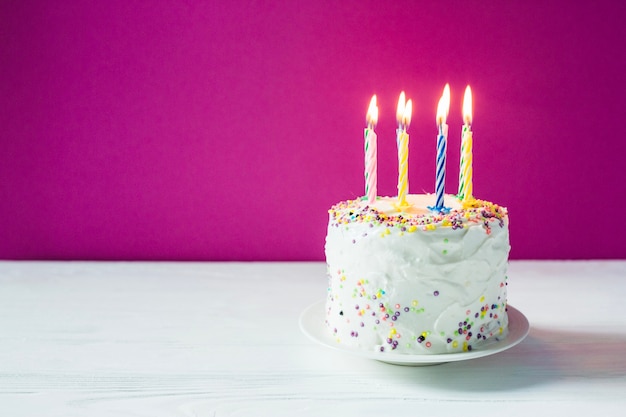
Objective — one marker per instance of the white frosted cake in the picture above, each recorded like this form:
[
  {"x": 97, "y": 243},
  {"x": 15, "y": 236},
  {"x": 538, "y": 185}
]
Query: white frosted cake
[{"x": 415, "y": 281}]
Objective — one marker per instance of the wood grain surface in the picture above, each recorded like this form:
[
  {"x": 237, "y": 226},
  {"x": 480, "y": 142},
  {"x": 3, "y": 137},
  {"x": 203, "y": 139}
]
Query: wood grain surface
[{"x": 222, "y": 339}]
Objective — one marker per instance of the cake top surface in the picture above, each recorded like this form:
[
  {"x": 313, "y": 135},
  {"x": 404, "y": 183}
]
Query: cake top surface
[{"x": 417, "y": 214}]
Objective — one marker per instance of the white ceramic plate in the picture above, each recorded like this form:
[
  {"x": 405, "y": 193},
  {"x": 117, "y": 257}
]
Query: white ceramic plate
[{"x": 312, "y": 325}]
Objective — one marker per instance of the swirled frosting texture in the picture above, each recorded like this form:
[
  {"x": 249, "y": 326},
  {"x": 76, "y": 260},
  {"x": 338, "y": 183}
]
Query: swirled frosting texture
[{"x": 417, "y": 282}]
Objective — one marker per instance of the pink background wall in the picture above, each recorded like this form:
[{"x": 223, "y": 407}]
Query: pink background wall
[{"x": 224, "y": 131}]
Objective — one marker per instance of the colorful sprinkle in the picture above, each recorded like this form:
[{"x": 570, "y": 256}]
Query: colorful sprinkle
[{"x": 479, "y": 211}]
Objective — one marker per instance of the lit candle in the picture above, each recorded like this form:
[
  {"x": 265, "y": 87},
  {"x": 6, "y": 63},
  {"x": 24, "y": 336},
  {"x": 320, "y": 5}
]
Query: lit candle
[
  {"x": 403, "y": 116},
  {"x": 465, "y": 180},
  {"x": 370, "y": 152},
  {"x": 442, "y": 113}
]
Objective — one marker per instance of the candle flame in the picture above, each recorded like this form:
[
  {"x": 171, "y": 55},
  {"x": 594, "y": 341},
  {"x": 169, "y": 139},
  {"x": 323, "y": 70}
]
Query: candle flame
[
  {"x": 444, "y": 106},
  {"x": 408, "y": 109},
  {"x": 401, "y": 106},
  {"x": 467, "y": 106},
  {"x": 372, "y": 112}
]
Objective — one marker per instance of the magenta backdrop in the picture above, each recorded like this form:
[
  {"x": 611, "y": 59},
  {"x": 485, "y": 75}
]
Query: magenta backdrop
[{"x": 225, "y": 130}]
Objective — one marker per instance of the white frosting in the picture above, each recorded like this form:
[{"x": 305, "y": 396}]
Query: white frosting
[{"x": 445, "y": 285}]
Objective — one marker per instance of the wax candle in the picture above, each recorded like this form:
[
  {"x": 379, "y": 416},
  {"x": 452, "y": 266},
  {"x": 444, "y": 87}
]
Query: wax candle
[
  {"x": 442, "y": 139},
  {"x": 465, "y": 180},
  {"x": 371, "y": 179},
  {"x": 403, "y": 116}
]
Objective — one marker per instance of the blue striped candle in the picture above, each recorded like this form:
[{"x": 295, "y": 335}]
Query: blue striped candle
[{"x": 440, "y": 179}]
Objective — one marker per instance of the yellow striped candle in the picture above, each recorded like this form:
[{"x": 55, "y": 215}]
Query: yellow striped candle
[
  {"x": 403, "y": 116},
  {"x": 466, "y": 188},
  {"x": 371, "y": 179}
]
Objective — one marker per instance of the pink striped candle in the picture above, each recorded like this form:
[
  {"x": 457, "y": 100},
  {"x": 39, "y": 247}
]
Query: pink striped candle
[{"x": 371, "y": 177}]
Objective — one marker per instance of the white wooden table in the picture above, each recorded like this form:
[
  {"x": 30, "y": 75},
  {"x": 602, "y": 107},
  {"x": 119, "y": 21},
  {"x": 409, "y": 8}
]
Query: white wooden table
[{"x": 220, "y": 339}]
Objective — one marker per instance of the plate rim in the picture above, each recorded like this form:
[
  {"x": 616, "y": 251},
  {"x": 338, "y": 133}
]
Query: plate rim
[{"x": 519, "y": 327}]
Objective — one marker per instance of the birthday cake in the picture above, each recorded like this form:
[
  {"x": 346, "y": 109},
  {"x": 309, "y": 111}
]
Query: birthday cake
[{"x": 415, "y": 281}]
